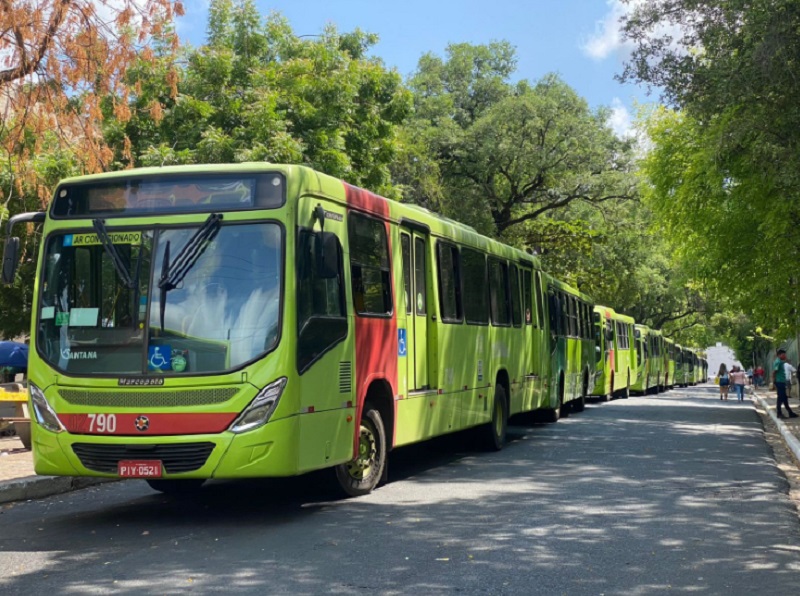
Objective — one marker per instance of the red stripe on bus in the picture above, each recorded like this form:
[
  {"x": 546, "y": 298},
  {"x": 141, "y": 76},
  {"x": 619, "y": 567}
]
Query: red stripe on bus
[
  {"x": 146, "y": 424},
  {"x": 376, "y": 338}
]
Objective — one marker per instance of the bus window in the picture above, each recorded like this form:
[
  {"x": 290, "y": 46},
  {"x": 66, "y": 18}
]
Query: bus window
[
  {"x": 476, "y": 301},
  {"x": 498, "y": 293},
  {"x": 369, "y": 266},
  {"x": 539, "y": 297},
  {"x": 419, "y": 276},
  {"x": 321, "y": 320},
  {"x": 526, "y": 296},
  {"x": 516, "y": 310},
  {"x": 405, "y": 241},
  {"x": 449, "y": 284}
]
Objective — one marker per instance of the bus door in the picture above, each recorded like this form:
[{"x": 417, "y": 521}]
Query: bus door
[{"x": 415, "y": 277}]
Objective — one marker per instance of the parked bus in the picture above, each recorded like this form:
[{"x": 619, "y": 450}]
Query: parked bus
[
  {"x": 616, "y": 371},
  {"x": 669, "y": 363},
  {"x": 680, "y": 366},
  {"x": 249, "y": 320},
  {"x": 640, "y": 334},
  {"x": 572, "y": 347}
]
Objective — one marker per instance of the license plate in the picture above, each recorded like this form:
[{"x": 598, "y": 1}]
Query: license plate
[{"x": 139, "y": 469}]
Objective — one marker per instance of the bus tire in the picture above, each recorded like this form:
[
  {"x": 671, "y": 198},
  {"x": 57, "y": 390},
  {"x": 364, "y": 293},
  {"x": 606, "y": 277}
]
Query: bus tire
[
  {"x": 186, "y": 487},
  {"x": 363, "y": 473},
  {"x": 494, "y": 433},
  {"x": 552, "y": 415},
  {"x": 579, "y": 405},
  {"x": 626, "y": 393}
]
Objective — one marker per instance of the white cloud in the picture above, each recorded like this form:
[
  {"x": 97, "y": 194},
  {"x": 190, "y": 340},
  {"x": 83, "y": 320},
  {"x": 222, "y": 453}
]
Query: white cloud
[
  {"x": 607, "y": 38},
  {"x": 620, "y": 120}
]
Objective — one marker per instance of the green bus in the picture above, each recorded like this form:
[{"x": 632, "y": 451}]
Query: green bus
[
  {"x": 641, "y": 337},
  {"x": 680, "y": 366},
  {"x": 251, "y": 320},
  {"x": 616, "y": 366},
  {"x": 669, "y": 363},
  {"x": 572, "y": 347}
]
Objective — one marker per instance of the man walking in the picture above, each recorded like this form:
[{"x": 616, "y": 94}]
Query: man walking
[{"x": 779, "y": 380}]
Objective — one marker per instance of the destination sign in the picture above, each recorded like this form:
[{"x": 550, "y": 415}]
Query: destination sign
[{"x": 92, "y": 239}]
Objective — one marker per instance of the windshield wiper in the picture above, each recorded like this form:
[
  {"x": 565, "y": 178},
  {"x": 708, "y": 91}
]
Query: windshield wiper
[
  {"x": 174, "y": 272},
  {"x": 111, "y": 250}
]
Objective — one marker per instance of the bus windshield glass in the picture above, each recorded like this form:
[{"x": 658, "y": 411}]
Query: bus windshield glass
[{"x": 100, "y": 315}]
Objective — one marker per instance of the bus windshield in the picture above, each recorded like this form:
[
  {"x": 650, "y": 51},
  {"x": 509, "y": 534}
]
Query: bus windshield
[{"x": 104, "y": 311}]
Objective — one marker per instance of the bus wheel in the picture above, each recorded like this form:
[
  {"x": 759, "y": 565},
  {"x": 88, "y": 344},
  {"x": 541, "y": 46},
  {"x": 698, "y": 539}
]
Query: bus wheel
[
  {"x": 185, "y": 487},
  {"x": 494, "y": 433},
  {"x": 360, "y": 475},
  {"x": 626, "y": 393},
  {"x": 579, "y": 405}
]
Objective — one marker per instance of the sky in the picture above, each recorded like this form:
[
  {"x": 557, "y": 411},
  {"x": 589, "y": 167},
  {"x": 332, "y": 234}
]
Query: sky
[{"x": 577, "y": 39}]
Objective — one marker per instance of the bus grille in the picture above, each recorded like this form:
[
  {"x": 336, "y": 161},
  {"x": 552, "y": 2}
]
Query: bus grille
[
  {"x": 147, "y": 399},
  {"x": 178, "y": 457},
  {"x": 345, "y": 377}
]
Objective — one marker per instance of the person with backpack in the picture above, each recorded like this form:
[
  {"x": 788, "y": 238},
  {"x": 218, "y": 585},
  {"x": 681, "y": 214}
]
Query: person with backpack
[{"x": 779, "y": 380}]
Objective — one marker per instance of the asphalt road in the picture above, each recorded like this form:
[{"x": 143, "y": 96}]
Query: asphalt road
[{"x": 674, "y": 493}]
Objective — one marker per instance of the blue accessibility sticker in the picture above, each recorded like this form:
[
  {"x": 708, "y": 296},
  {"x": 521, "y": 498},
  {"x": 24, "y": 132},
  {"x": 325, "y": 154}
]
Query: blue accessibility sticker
[
  {"x": 402, "y": 347},
  {"x": 159, "y": 358}
]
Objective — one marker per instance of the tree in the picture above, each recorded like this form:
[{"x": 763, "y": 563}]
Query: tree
[
  {"x": 257, "y": 92},
  {"x": 506, "y": 154},
  {"x": 725, "y": 170},
  {"x": 58, "y": 60}
]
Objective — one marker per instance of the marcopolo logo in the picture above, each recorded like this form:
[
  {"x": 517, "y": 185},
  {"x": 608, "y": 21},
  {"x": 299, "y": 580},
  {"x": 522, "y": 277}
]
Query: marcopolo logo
[{"x": 68, "y": 354}]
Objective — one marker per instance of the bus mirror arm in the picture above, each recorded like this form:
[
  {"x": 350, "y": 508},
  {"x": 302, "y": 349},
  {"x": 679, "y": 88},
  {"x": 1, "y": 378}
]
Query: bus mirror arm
[{"x": 11, "y": 245}]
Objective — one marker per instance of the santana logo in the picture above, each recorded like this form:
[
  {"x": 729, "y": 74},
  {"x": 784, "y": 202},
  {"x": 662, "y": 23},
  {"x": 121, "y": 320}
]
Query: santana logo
[
  {"x": 142, "y": 423},
  {"x": 68, "y": 354}
]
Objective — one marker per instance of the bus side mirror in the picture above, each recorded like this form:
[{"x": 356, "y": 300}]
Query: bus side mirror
[
  {"x": 10, "y": 256},
  {"x": 331, "y": 256}
]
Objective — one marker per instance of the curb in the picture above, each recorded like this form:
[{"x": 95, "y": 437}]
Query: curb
[
  {"x": 791, "y": 441},
  {"x": 37, "y": 487}
]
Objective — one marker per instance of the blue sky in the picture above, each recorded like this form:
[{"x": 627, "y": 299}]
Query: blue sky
[{"x": 575, "y": 38}]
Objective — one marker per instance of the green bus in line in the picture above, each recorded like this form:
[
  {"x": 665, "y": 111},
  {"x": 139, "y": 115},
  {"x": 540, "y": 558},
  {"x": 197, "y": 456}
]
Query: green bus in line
[
  {"x": 669, "y": 363},
  {"x": 572, "y": 347},
  {"x": 680, "y": 366},
  {"x": 616, "y": 364},
  {"x": 250, "y": 320},
  {"x": 644, "y": 380}
]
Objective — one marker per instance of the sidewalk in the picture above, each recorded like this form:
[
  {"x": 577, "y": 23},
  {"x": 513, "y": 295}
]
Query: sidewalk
[
  {"x": 18, "y": 482},
  {"x": 788, "y": 427}
]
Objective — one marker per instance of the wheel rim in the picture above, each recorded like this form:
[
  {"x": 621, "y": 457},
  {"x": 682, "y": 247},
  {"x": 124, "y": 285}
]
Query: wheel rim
[{"x": 361, "y": 466}]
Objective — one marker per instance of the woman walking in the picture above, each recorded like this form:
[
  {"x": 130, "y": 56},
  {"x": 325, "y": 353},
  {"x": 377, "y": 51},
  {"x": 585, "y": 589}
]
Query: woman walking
[
  {"x": 739, "y": 380},
  {"x": 724, "y": 381}
]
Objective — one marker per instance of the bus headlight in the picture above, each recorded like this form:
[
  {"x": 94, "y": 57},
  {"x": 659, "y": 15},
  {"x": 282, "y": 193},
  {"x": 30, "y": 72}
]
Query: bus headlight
[
  {"x": 45, "y": 415},
  {"x": 261, "y": 408}
]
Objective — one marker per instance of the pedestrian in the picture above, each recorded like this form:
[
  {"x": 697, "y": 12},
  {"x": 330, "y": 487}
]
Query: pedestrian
[
  {"x": 791, "y": 380},
  {"x": 779, "y": 380},
  {"x": 750, "y": 375},
  {"x": 739, "y": 380},
  {"x": 759, "y": 375},
  {"x": 724, "y": 381}
]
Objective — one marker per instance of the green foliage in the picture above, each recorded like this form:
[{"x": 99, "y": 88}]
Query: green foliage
[
  {"x": 724, "y": 172},
  {"x": 257, "y": 92},
  {"x": 505, "y": 154}
]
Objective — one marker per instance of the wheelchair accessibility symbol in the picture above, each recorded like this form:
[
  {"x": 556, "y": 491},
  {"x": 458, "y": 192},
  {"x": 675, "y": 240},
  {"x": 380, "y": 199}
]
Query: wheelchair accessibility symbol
[
  {"x": 402, "y": 349},
  {"x": 159, "y": 357}
]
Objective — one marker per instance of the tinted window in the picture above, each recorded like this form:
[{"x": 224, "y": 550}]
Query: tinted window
[
  {"x": 369, "y": 266},
  {"x": 527, "y": 305},
  {"x": 421, "y": 297},
  {"x": 405, "y": 243},
  {"x": 516, "y": 309},
  {"x": 449, "y": 293},
  {"x": 498, "y": 292},
  {"x": 476, "y": 298}
]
